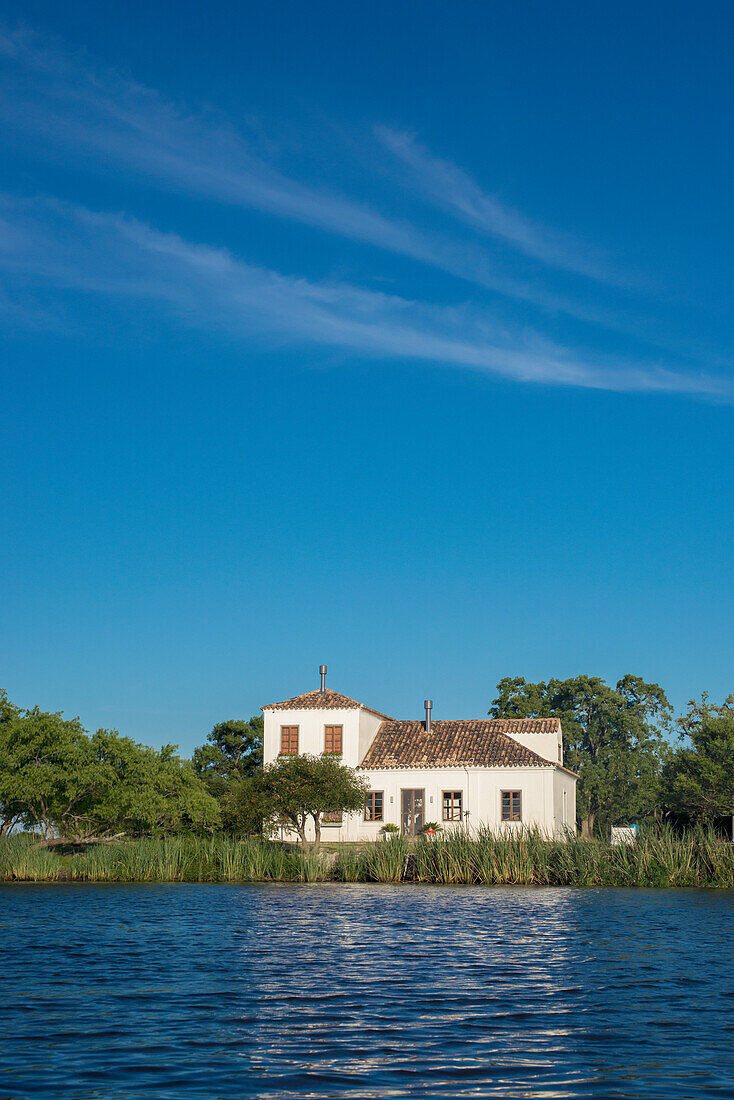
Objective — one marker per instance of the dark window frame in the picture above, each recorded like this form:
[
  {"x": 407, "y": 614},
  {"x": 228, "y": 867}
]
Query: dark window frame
[
  {"x": 370, "y": 804},
  {"x": 287, "y": 739},
  {"x": 452, "y": 805},
  {"x": 514, "y": 805}
]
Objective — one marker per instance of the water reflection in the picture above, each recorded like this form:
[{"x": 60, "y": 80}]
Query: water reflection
[{"x": 364, "y": 991}]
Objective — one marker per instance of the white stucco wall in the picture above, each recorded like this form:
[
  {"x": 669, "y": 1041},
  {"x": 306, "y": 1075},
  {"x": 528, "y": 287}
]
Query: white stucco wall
[
  {"x": 481, "y": 790},
  {"x": 369, "y": 723},
  {"x": 542, "y": 801},
  {"x": 564, "y": 800},
  {"x": 311, "y": 725},
  {"x": 547, "y": 745}
]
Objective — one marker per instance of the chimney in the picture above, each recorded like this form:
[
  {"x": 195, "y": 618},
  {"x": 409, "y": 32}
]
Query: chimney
[
  {"x": 322, "y": 670},
  {"x": 428, "y": 704}
]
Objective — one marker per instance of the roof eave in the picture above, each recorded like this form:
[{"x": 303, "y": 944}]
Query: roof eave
[
  {"x": 422, "y": 765},
  {"x": 563, "y": 768},
  {"x": 351, "y": 706}
]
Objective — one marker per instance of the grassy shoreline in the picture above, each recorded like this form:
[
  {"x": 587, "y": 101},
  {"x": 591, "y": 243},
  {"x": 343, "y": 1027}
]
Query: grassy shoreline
[{"x": 661, "y": 859}]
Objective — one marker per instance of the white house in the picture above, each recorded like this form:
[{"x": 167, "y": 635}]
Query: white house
[{"x": 495, "y": 772}]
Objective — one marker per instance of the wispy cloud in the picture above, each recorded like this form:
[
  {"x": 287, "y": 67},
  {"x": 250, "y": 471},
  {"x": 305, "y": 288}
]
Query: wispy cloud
[
  {"x": 452, "y": 189},
  {"x": 59, "y": 246},
  {"x": 103, "y": 120},
  {"x": 111, "y": 120}
]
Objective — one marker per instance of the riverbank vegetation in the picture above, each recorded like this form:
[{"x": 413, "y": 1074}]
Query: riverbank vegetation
[{"x": 660, "y": 858}]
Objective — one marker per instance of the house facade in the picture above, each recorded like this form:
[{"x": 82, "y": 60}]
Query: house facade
[{"x": 500, "y": 773}]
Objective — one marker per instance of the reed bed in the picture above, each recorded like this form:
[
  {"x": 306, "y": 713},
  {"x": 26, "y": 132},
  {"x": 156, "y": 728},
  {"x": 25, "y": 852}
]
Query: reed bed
[
  {"x": 660, "y": 858},
  {"x": 151, "y": 859}
]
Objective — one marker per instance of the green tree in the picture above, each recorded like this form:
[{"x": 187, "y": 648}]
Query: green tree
[
  {"x": 46, "y": 768},
  {"x": 699, "y": 778},
  {"x": 11, "y": 810},
  {"x": 233, "y": 751},
  {"x": 299, "y": 787},
  {"x": 58, "y": 780},
  {"x": 142, "y": 790},
  {"x": 613, "y": 738},
  {"x": 245, "y": 807}
]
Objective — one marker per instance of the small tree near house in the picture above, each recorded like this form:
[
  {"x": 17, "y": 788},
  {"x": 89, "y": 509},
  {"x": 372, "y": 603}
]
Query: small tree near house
[{"x": 301, "y": 787}]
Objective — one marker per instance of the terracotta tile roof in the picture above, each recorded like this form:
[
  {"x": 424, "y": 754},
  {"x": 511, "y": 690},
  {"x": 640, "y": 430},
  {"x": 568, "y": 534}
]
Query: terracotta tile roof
[
  {"x": 472, "y": 742},
  {"x": 322, "y": 700}
]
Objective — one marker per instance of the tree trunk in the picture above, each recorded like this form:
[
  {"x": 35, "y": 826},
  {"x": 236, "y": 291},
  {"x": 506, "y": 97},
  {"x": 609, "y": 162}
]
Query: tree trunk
[
  {"x": 587, "y": 827},
  {"x": 299, "y": 824},
  {"x": 7, "y": 824},
  {"x": 317, "y": 832}
]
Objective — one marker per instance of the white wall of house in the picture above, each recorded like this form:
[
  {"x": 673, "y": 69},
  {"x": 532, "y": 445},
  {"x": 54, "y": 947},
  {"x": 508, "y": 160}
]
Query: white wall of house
[
  {"x": 369, "y": 723},
  {"x": 564, "y": 800},
  {"x": 311, "y": 726},
  {"x": 547, "y": 745},
  {"x": 481, "y": 788},
  {"x": 481, "y": 795}
]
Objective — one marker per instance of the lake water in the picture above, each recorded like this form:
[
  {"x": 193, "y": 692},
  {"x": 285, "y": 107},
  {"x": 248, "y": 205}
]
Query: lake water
[{"x": 193, "y": 992}]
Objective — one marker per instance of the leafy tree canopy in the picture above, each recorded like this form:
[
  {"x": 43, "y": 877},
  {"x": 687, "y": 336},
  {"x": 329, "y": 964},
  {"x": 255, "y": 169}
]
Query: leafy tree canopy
[
  {"x": 233, "y": 751},
  {"x": 699, "y": 778},
  {"x": 299, "y": 787},
  {"x": 11, "y": 811},
  {"x": 245, "y": 807},
  {"x": 55, "y": 778},
  {"x": 145, "y": 790},
  {"x": 45, "y": 768},
  {"x": 613, "y": 737}
]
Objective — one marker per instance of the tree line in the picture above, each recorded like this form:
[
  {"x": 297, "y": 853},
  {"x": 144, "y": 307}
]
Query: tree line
[
  {"x": 58, "y": 780},
  {"x": 635, "y": 761}
]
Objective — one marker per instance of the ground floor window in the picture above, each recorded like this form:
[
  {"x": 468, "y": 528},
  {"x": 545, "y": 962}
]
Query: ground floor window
[
  {"x": 373, "y": 806},
  {"x": 452, "y": 807},
  {"x": 512, "y": 806},
  {"x": 333, "y": 818}
]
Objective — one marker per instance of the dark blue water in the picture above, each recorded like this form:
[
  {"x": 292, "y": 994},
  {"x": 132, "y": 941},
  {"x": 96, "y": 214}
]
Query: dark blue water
[{"x": 364, "y": 991}]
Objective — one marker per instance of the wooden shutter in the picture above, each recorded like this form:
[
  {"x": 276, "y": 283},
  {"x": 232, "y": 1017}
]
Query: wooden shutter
[
  {"x": 289, "y": 740},
  {"x": 333, "y": 739}
]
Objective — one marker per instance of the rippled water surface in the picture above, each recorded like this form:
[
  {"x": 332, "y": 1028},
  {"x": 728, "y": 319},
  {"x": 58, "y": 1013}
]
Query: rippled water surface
[{"x": 364, "y": 991}]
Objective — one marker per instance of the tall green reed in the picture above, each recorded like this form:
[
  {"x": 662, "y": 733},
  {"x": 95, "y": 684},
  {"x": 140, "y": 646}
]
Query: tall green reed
[{"x": 658, "y": 858}]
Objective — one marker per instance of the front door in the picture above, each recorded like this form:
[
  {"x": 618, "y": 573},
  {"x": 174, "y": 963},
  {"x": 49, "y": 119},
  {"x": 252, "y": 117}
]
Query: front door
[{"x": 412, "y": 806}]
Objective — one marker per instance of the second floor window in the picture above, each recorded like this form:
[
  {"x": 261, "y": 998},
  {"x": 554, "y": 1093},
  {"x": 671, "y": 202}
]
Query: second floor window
[
  {"x": 452, "y": 806},
  {"x": 511, "y": 806},
  {"x": 373, "y": 806},
  {"x": 333, "y": 739},
  {"x": 289, "y": 740}
]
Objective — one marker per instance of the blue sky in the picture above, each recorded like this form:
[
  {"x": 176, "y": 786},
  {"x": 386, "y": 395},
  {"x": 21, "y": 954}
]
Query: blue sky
[{"x": 395, "y": 336}]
